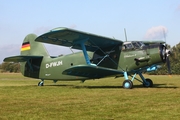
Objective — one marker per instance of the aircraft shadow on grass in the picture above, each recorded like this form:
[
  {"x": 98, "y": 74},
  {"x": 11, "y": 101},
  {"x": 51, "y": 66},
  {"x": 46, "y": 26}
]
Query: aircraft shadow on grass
[{"x": 115, "y": 87}]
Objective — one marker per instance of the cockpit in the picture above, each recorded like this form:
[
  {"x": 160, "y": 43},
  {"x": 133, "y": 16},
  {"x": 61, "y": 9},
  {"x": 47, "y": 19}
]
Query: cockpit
[{"x": 133, "y": 45}]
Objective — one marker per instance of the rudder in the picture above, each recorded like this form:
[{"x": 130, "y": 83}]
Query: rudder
[
  {"x": 33, "y": 52},
  {"x": 31, "y": 47}
]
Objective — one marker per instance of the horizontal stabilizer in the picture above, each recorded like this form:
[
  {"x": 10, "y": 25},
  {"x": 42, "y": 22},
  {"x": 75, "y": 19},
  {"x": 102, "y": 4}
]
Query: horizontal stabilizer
[
  {"x": 20, "y": 58},
  {"x": 90, "y": 71}
]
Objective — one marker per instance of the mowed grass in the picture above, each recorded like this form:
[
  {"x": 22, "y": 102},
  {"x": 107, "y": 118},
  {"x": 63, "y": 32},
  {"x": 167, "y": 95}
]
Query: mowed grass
[{"x": 104, "y": 99}]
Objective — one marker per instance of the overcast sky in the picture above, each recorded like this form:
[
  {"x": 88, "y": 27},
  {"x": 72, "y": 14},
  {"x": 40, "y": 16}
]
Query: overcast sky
[{"x": 143, "y": 20}]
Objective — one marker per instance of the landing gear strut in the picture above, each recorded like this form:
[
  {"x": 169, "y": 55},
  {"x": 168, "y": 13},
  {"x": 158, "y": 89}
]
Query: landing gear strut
[
  {"x": 146, "y": 82},
  {"x": 128, "y": 84}
]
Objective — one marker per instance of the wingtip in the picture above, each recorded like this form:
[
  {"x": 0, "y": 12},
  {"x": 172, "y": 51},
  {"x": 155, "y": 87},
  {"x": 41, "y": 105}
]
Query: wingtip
[{"x": 58, "y": 28}]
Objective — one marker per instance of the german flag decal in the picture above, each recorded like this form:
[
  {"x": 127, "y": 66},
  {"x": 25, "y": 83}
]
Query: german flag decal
[{"x": 25, "y": 46}]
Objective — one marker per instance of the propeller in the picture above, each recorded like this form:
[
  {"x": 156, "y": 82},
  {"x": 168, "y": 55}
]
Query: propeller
[
  {"x": 167, "y": 53},
  {"x": 168, "y": 62}
]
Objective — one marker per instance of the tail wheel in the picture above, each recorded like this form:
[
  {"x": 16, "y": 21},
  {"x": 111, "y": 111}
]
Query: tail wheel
[
  {"x": 41, "y": 84},
  {"x": 148, "y": 83},
  {"x": 128, "y": 84}
]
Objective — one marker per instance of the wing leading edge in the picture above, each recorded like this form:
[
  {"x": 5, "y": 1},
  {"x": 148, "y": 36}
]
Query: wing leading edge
[
  {"x": 91, "y": 72},
  {"x": 71, "y": 38}
]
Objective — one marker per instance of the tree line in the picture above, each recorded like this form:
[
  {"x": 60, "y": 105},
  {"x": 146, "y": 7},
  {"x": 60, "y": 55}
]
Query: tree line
[
  {"x": 10, "y": 67},
  {"x": 174, "y": 63}
]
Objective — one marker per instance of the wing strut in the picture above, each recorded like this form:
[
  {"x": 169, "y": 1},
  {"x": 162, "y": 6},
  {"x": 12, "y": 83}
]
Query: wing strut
[
  {"x": 85, "y": 53},
  {"x": 81, "y": 42}
]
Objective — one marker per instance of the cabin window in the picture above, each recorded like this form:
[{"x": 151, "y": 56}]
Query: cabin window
[
  {"x": 141, "y": 44},
  {"x": 127, "y": 46},
  {"x": 133, "y": 45},
  {"x": 136, "y": 45},
  {"x": 108, "y": 57}
]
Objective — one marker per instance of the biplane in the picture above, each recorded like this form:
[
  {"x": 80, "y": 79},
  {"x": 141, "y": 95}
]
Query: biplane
[{"x": 99, "y": 57}]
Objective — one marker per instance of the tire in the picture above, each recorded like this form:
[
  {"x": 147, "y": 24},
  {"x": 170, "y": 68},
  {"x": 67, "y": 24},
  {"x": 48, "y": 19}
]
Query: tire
[
  {"x": 128, "y": 84},
  {"x": 149, "y": 83}
]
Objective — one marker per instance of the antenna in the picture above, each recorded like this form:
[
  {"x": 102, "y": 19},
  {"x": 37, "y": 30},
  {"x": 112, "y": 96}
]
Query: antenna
[{"x": 125, "y": 34}]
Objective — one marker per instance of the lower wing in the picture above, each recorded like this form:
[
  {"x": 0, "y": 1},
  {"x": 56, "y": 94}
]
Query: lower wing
[{"x": 91, "y": 71}]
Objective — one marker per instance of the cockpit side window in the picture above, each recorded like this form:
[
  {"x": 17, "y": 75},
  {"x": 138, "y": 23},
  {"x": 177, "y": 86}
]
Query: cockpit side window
[
  {"x": 135, "y": 45},
  {"x": 141, "y": 44},
  {"x": 138, "y": 44},
  {"x": 128, "y": 46}
]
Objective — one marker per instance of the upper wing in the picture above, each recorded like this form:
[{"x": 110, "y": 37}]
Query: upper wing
[
  {"x": 91, "y": 72},
  {"x": 148, "y": 42},
  {"x": 71, "y": 38},
  {"x": 21, "y": 58}
]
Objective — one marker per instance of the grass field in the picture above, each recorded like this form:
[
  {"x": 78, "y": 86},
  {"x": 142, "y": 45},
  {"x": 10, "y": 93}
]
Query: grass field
[{"x": 21, "y": 98}]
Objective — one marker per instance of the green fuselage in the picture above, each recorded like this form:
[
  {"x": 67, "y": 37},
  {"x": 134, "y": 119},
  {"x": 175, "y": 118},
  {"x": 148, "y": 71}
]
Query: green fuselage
[{"x": 51, "y": 68}]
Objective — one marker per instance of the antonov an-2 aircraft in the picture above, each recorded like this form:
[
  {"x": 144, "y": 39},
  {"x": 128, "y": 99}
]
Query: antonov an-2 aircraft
[{"x": 100, "y": 57}]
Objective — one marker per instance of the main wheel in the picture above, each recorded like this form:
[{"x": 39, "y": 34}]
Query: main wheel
[
  {"x": 128, "y": 84},
  {"x": 148, "y": 83}
]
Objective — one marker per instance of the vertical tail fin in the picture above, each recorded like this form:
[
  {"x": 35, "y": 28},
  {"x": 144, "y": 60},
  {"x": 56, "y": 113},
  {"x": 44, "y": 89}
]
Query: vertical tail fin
[{"x": 31, "y": 47}]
